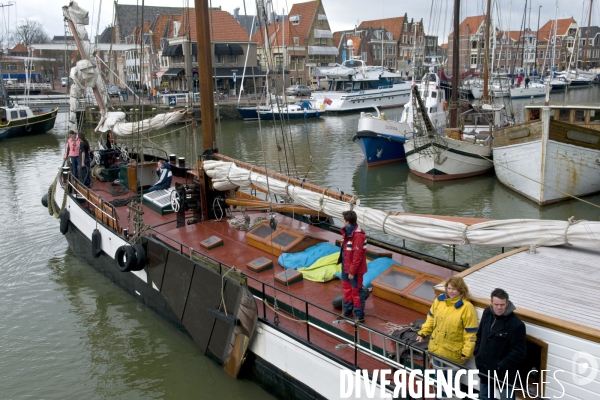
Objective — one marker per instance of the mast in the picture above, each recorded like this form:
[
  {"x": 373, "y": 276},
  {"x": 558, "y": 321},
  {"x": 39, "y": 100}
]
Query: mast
[
  {"x": 486, "y": 66},
  {"x": 537, "y": 38},
  {"x": 207, "y": 108},
  {"x": 4, "y": 99},
  {"x": 587, "y": 36},
  {"x": 455, "y": 64}
]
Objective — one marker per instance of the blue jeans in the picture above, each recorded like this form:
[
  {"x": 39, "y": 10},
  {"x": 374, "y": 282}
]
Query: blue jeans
[
  {"x": 74, "y": 166},
  {"x": 164, "y": 185},
  {"x": 507, "y": 392}
]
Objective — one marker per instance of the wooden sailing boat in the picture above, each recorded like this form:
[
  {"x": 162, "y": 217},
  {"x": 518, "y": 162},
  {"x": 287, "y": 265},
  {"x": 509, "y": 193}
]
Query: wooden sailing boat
[
  {"x": 214, "y": 281},
  {"x": 457, "y": 154}
]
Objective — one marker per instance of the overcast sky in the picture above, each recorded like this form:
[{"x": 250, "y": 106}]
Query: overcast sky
[{"x": 342, "y": 14}]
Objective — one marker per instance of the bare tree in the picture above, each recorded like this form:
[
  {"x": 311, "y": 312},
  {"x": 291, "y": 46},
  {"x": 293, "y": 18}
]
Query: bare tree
[{"x": 27, "y": 32}]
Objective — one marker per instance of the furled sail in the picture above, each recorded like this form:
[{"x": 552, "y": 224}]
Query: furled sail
[
  {"x": 85, "y": 78},
  {"x": 498, "y": 233}
]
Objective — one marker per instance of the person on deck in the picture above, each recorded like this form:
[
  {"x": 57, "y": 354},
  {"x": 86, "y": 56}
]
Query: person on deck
[
  {"x": 452, "y": 324},
  {"x": 526, "y": 82},
  {"x": 85, "y": 160},
  {"x": 72, "y": 151},
  {"x": 501, "y": 345},
  {"x": 110, "y": 139},
  {"x": 165, "y": 176},
  {"x": 353, "y": 257},
  {"x": 519, "y": 80}
]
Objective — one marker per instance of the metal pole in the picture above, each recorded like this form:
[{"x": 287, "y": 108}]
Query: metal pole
[{"x": 486, "y": 67}]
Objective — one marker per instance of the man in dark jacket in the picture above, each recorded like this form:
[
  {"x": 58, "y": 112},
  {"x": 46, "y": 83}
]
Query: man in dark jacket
[
  {"x": 165, "y": 176},
  {"x": 500, "y": 347},
  {"x": 353, "y": 257}
]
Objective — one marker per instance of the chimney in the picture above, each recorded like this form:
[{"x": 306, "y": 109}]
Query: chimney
[{"x": 236, "y": 13}]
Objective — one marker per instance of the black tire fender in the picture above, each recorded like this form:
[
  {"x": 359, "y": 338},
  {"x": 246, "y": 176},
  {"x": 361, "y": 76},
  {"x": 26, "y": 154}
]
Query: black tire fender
[
  {"x": 140, "y": 255},
  {"x": 125, "y": 258},
  {"x": 96, "y": 243},
  {"x": 45, "y": 200},
  {"x": 28, "y": 128},
  {"x": 338, "y": 302},
  {"x": 64, "y": 221}
]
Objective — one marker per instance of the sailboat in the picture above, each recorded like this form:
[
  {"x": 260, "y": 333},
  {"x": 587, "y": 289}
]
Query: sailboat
[
  {"x": 225, "y": 287},
  {"x": 459, "y": 153}
]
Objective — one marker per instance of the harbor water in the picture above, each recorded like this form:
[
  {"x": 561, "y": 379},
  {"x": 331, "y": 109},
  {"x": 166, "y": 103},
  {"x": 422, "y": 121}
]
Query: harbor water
[{"x": 67, "y": 332}]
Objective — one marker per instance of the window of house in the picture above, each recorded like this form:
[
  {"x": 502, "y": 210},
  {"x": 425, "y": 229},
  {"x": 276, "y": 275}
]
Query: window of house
[
  {"x": 420, "y": 39},
  {"x": 404, "y": 27},
  {"x": 32, "y": 67},
  {"x": 232, "y": 59},
  {"x": 296, "y": 41},
  {"x": 299, "y": 81},
  {"x": 473, "y": 59},
  {"x": 412, "y": 40},
  {"x": 291, "y": 80},
  {"x": 292, "y": 64},
  {"x": 219, "y": 59},
  {"x": 508, "y": 55},
  {"x": 11, "y": 67},
  {"x": 404, "y": 38},
  {"x": 364, "y": 55},
  {"x": 300, "y": 66}
]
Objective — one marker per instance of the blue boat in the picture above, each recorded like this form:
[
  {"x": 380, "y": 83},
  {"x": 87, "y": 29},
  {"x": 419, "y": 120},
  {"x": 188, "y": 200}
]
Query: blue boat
[{"x": 301, "y": 110}]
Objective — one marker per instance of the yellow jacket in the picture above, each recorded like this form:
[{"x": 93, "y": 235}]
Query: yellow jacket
[{"x": 452, "y": 324}]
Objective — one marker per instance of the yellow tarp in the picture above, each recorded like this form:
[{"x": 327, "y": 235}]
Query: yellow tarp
[{"x": 323, "y": 270}]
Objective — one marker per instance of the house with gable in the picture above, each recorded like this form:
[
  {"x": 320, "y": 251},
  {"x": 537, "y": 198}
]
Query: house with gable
[
  {"x": 471, "y": 41},
  {"x": 589, "y": 45},
  {"x": 298, "y": 45},
  {"x": 565, "y": 50},
  {"x": 404, "y": 42}
]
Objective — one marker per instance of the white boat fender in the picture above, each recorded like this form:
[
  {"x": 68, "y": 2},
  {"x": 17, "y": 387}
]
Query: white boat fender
[
  {"x": 45, "y": 200},
  {"x": 125, "y": 258},
  {"x": 64, "y": 221},
  {"x": 96, "y": 243}
]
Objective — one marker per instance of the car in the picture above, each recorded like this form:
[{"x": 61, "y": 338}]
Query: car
[
  {"x": 113, "y": 90},
  {"x": 298, "y": 90}
]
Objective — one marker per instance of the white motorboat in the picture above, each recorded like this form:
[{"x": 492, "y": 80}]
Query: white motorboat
[{"x": 357, "y": 86}]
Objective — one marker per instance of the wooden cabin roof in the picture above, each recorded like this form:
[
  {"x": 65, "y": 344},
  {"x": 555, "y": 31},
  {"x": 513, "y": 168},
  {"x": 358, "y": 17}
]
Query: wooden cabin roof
[{"x": 555, "y": 288}]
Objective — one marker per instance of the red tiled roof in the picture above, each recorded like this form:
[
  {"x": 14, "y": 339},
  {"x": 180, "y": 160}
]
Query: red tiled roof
[
  {"x": 305, "y": 10},
  {"x": 163, "y": 22},
  {"x": 444, "y": 46},
  {"x": 337, "y": 36},
  {"x": 393, "y": 25},
  {"x": 473, "y": 22},
  {"x": 19, "y": 48},
  {"x": 562, "y": 27},
  {"x": 224, "y": 28}
]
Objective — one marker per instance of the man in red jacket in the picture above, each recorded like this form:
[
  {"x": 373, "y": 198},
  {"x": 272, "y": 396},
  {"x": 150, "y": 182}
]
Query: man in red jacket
[{"x": 353, "y": 256}]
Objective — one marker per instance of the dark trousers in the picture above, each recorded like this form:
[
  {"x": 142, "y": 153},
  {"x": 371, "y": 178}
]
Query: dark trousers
[
  {"x": 164, "y": 185},
  {"x": 354, "y": 295}
]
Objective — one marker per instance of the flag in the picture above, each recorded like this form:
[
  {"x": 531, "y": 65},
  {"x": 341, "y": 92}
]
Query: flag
[
  {"x": 318, "y": 82},
  {"x": 327, "y": 101}
]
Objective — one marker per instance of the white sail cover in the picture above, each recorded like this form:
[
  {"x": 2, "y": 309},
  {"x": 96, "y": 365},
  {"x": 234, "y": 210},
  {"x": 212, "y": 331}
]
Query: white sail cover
[
  {"x": 85, "y": 76},
  {"x": 500, "y": 233},
  {"x": 335, "y": 72},
  {"x": 116, "y": 122}
]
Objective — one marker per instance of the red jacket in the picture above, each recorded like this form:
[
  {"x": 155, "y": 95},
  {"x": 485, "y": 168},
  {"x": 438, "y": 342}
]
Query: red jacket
[{"x": 355, "y": 251}]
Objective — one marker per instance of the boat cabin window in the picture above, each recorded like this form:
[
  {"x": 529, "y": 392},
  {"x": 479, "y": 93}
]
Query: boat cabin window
[
  {"x": 14, "y": 115},
  {"x": 564, "y": 115},
  {"x": 533, "y": 114},
  {"x": 579, "y": 116},
  {"x": 434, "y": 94},
  {"x": 23, "y": 113},
  {"x": 594, "y": 116},
  {"x": 433, "y": 110}
]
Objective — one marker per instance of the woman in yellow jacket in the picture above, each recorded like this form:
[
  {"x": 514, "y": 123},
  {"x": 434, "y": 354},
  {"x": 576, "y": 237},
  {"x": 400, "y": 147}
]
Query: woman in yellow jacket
[{"x": 452, "y": 324}]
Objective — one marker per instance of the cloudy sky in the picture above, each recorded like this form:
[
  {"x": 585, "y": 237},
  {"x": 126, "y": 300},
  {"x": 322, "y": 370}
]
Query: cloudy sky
[{"x": 342, "y": 14}]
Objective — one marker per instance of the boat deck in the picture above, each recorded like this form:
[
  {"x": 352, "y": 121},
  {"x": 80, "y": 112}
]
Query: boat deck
[{"x": 296, "y": 301}]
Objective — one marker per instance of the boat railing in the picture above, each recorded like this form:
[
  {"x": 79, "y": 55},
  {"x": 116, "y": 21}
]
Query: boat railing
[
  {"x": 102, "y": 210},
  {"x": 383, "y": 348}
]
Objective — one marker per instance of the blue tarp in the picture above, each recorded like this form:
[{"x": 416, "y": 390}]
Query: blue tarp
[
  {"x": 374, "y": 269},
  {"x": 307, "y": 257}
]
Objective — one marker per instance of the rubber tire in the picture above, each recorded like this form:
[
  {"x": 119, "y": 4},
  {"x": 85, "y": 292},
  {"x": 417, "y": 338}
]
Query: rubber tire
[
  {"x": 96, "y": 243},
  {"x": 45, "y": 200},
  {"x": 64, "y": 221},
  {"x": 140, "y": 254},
  {"x": 125, "y": 258},
  {"x": 28, "y": 128}
]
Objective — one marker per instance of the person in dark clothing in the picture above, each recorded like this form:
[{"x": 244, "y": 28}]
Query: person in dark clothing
[
  {"x": 526, "y": 82},
  {"x": 85, "y": 160},
  {"x": 500, "y": 347},
  {"x": 353, "y": 257},
  {"x": 165, "y": 176}
]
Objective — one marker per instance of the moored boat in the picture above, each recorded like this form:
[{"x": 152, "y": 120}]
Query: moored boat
[
  {"x": 20, "y": 120},
  {"x": 553, "y": 155},
  {"x": 357, "y": 86}
]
